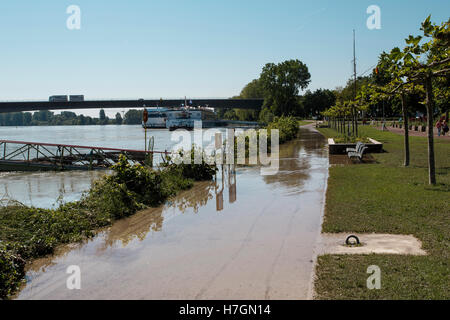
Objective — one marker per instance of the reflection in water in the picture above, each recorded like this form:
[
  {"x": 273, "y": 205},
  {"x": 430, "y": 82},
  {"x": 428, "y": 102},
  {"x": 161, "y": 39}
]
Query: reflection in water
[
  {"x": 46, "y": 189},
  {"x": 297, "y": 160},
  {"x": 138, "y": 226},
  {"x": 228, "y": 174},
  {"x": 232, "y": 184},
  {"x": 194, "y": 198},
  {"x": 141, "y": 224}
]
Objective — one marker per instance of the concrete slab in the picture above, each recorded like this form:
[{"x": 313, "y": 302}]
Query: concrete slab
[{"x": 334, "y": 243}]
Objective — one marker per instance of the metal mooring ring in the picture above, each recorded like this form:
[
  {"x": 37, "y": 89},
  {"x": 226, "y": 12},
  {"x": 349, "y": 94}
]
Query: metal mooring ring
[{"x": 350, "y": 237}]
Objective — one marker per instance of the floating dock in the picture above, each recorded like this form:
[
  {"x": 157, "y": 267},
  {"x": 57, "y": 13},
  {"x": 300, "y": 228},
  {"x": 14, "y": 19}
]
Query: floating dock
[{"x": 35, "y": 156}]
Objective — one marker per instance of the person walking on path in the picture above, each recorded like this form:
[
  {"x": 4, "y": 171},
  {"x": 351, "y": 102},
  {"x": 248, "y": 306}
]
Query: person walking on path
[
  {"x": 439, "y": 127},
  {"x": 444, "y": 128}
]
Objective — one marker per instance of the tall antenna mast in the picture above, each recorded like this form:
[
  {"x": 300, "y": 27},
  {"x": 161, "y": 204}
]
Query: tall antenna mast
[
  {"x": 354, "y": 63},
  {"x": 354, "y": 115}
]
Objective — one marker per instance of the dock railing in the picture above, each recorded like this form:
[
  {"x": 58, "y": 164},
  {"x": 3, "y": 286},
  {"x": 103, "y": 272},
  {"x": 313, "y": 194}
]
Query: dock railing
[{"x": 65, "y": 156}]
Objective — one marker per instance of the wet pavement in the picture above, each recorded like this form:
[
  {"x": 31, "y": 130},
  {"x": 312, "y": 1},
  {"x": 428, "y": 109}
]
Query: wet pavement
[{"x": 244, "y": 236}]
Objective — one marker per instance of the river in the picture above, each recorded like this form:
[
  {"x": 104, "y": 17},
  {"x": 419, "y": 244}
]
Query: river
[
  {"x": 46, "y": 189},
  {"x": 243, "y": 236}
]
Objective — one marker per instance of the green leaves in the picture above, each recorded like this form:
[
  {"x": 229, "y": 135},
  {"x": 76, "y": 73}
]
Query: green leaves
[
  {"x": 427, "y": 27},
  {"x": 396, "y": 54},
  {"x": 413, "y": 40},
  {"x": 281, "y": 83},
  {"x": 409, "y": 57}
]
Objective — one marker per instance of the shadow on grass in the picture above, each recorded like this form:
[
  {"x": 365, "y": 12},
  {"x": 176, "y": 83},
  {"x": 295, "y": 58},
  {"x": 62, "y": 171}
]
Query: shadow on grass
[
  {"x": 440, "y": 187},
  {"x": 342, "y": 159}
]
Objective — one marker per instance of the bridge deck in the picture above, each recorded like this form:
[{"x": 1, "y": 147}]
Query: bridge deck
[{"x": 18, "y": 106}]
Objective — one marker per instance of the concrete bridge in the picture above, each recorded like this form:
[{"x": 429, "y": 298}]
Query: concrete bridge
[{"x": 18, "y": 106}]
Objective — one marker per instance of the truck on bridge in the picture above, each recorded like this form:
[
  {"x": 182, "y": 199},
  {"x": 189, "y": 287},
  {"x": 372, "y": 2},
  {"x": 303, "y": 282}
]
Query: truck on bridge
[
  {"x": 79, "y": 97},
  {"x": 63, "y": 98},
  {"x": 59, "y": 98}
]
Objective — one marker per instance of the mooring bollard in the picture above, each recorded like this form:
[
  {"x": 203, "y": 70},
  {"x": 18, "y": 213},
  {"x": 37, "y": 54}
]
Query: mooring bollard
[{"x": 347, "y": 241}]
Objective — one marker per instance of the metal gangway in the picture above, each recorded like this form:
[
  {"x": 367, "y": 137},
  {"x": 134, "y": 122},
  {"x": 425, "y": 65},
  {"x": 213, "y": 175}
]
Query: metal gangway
[{"x": 35, "y": 156}]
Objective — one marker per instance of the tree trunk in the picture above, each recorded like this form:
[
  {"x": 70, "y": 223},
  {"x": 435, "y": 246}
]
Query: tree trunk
[
  {"x": 353, "y": 122},
  {"x": 405, "y": 116},
  {"x": 430, "y": 109},
  {"x": 348, "y": 126}
]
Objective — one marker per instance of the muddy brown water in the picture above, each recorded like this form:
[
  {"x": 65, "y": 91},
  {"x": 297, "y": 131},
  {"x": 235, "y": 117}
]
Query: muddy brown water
[{"x": 244, "y": 236}]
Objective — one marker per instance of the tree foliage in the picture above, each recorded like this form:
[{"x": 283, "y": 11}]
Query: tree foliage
[{"x": 281, "y": 83}]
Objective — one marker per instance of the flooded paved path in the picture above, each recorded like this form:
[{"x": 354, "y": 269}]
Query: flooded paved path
[{"x": 245, "y": 236}]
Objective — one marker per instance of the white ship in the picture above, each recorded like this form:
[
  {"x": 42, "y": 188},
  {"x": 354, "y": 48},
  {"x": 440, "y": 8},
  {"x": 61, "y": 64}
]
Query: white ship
[
  {"x": 156, "y": 118},
  {"x": 172, "y": 119},
  {"x": 183, "y": 119}
]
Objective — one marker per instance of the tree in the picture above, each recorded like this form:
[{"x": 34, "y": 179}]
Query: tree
[
  {"x": 17, "y": 119},
  {"x": 133, "y": 116},
  {"x": 89, "y": 120},
  {"x": 313, "y": 103},
  {"x": 441, "y": 93},
  {"x": 27, "y": 118},
  {"x": 43, "y": 115},
  {"x": 230, "y": 115},
  {"x": 102, "y": 117},
  {"x": 68, "y": 114},
  {"x": 281, "y": 83},
  {"x": 118, "y": 118},
  {"x": 81, "y": 120},
  {"x": 423, "y": 72},
  {"x": 252, "y": 90},
  {"x": 393, "y": 87}
]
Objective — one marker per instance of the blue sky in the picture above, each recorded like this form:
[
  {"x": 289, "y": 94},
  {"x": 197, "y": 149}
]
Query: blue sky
[{"x": 152, "y": 49}]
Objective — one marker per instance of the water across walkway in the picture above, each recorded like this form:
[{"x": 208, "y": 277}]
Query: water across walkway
[{"x": 245, "y": 236}]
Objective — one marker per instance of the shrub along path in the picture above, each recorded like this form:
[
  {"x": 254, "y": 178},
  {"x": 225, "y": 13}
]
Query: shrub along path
[{"x": 385, "y": 197}]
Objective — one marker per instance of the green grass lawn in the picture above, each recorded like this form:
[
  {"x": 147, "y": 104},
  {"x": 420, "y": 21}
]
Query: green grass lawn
[{"x": 384, "y": 197}]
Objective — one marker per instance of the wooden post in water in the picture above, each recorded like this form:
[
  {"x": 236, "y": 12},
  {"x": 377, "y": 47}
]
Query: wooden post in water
[{"x": 144, "y": 122}]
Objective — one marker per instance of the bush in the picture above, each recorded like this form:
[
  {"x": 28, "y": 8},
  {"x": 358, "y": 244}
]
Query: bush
[
  {"x": 287, "y": 126},
  {"x": 350, "y": 139},
  {"x": 195, "y": 171},
  {"x": 12, "y": 271}
]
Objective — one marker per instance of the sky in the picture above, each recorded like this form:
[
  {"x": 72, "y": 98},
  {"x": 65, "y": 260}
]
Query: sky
[{"x": 199, "y": 48}]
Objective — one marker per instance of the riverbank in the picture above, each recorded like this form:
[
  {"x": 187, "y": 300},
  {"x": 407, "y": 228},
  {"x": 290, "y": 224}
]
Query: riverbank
[{"x": 384, "y": 197}]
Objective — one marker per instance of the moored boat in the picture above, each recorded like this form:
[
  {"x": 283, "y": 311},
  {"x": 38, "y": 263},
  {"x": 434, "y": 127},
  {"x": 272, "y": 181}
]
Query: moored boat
[{"x": 183, "y": 119}]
